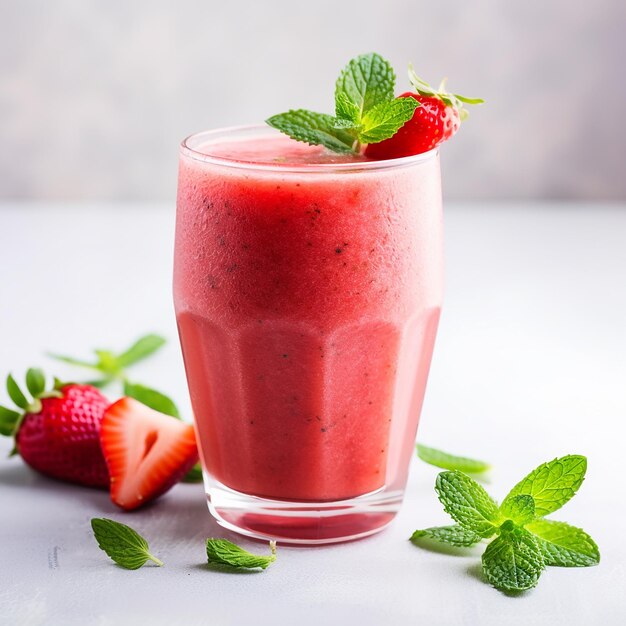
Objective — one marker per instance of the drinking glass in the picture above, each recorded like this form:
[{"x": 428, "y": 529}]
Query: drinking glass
[{"x": 307, "y": 297}]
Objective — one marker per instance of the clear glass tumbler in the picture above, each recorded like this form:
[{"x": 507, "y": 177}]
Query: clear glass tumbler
[{"x": 307, "y": 293}]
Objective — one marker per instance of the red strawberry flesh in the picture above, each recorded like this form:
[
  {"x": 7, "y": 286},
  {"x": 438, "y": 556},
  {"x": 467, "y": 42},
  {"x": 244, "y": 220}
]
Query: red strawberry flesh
[{"x": 146, "y": 452}]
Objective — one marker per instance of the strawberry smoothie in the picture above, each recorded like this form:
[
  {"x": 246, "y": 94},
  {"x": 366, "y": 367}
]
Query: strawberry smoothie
[{"x": 307, "y": 288}]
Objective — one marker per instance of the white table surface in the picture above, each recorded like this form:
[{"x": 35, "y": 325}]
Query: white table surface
[{"x": 529, "y": 364}]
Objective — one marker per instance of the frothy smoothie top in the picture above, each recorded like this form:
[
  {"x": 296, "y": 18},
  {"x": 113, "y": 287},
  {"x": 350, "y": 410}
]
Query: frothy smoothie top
[{"x": 276, "y": 151}]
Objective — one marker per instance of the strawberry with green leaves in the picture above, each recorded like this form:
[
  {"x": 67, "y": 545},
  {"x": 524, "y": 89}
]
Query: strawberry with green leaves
[
  {"x": 437, "y": 117},
  {"x": 111, "y": 368},
  {"x": 57, "y": 430}
]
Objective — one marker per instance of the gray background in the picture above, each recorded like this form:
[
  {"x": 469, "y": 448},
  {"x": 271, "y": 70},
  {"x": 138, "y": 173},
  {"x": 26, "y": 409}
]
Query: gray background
[{"x": 95, "y": 95}]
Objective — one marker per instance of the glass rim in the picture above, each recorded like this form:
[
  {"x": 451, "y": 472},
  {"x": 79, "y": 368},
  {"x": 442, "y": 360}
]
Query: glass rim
[{"x": 230, "y": 131}]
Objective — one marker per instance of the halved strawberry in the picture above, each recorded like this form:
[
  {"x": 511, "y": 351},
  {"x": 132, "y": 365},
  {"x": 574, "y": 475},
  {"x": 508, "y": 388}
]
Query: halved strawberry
[{"x": 147, "y": 452}]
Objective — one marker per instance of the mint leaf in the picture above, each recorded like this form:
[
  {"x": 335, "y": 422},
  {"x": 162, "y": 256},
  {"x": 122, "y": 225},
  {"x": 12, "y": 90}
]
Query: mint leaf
[
  {"x": 453, "y": 535},
  {"x": 346, "y": 111},
  {"x": 15, "y": 393},
  {"x": 467, "y": 503},
  {"x": 152, "y": 398},
  {"x": 8, "y": 420},
  {"x": 564, "y": 545},
  {"x": 450, "y": 461},
  {"x": 107, "y": 363},
  {"x": 224, "y": 552},
  {"x": 194, "y": 475},
  {"x": 124, "y": 545},
  {"x": 313, "y": 128},
  {"x": 142, "y": 348},
  {"x": 366, "y": 81},
  {"x": 513, "y": 561},
  {"x": 520, "y": 509},
  {"x": 385, "y": 119},
  {"x": 70, "y": 360},
  {"x": 35, "y": 381},
  {"x": 552, "y": 484}
]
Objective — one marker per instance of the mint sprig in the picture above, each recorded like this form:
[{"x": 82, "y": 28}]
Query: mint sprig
[
  {"x": 123, "y": 544},
  {"x": 524, "y": 543},
  {"x": 224, "y": 552},
  {"x": 444, "y": 460},
  {"x": 111, "y": 368},
  {"x": 365, "y": 109}
]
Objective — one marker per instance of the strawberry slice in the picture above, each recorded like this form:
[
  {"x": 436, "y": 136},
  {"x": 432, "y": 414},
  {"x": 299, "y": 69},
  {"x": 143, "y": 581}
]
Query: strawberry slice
[{"x": 146, "y": 452}]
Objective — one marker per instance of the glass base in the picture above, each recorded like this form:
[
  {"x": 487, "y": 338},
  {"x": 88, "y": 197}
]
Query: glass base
[{"x": 305, "y": 523}]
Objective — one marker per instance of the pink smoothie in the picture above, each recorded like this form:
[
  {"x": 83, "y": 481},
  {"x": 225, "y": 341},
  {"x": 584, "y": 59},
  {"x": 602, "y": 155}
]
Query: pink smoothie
[{"x": 307, "y": 289}]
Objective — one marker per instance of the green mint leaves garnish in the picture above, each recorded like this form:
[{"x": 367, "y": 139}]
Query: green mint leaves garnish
[
  {"x": 564, "y": 545},
  {"x": 519, "y": 509},
  {"x": 111, "y": 368},
  {"x": 129, "y": 549},
  {"x": 524, "y": 543},
  {"x": 441, "y": 459},
  {"x": 468, "y": 503},
  {"x": 513, "y": 561},
  {"x": 224, "y": 552},
  {"x": 455, "y": 535},
  {"x": 314, "y": 129},
  {"x": 385, "y": 119},
  {"x": 552, "y": 484},
  {"x": 152, "y": 398},
  {"x": 124, "y": 545},
  {"x": 366, "y": 81},
  {"x": 365, "y": 109},
  {"x": 111, "y": 365}
]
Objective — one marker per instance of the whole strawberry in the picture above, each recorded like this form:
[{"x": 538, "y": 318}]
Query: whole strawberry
[
  {"x": 57, "y": 432},
  {"x": 435, "y": 120}
]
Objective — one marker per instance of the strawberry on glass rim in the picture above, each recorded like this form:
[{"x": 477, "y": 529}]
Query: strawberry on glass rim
[{"x": 437, "y": 117}]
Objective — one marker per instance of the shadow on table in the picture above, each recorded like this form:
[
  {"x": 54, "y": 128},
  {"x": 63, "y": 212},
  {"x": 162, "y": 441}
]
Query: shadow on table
[
  {"x": 21, "y": 477},
  {"x": 224, "y": 569},
  {"x": 424, "y": 543}
]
